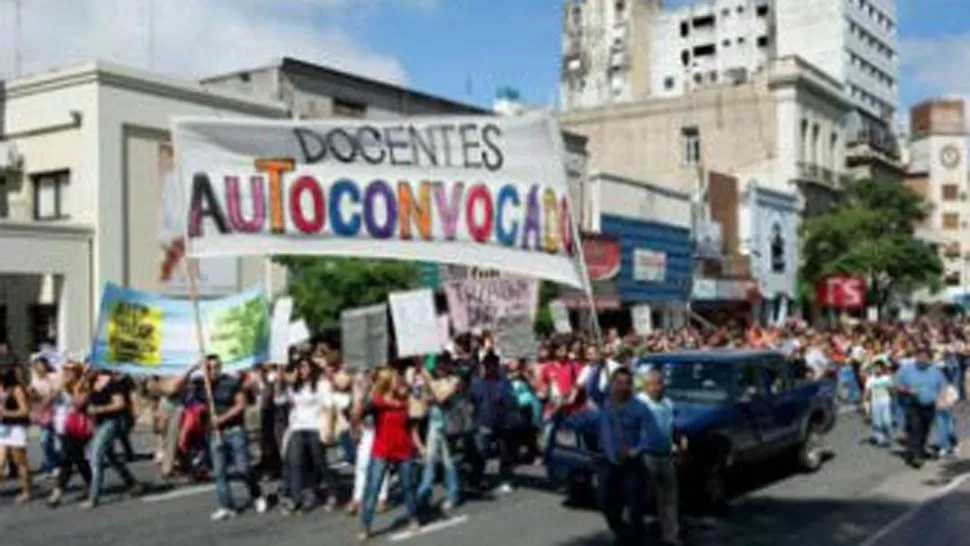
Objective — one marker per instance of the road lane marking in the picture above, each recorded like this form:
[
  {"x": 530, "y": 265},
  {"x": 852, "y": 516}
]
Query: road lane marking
[
  {"x": 914, "y": 510},
  {"x": 848, "y": 409},
  {"x": 179, "y": 493},
  {"x": 430, "y": 528}
]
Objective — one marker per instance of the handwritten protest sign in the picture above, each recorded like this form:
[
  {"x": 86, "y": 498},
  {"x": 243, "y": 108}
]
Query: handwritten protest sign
[
  {"x": 145, "y": 334},
  {"x": 280, "y": 340},
  {"x": 560, "y": 317},
  {"x": 299, "y": 332},
  {"x": 415, "y": 322},
  {"x": 364, "y": 337},
  {"x": 479, "y": 304},
  {"x": 516, "y": 338}
]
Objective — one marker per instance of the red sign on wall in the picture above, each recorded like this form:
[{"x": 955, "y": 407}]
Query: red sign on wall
[
  {"x": 841, "y": 292},
  {"x": 602, "y": 255}
]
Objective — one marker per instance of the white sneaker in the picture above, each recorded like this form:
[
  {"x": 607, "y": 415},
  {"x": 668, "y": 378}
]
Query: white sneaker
[
  {"x": 260, "y": 505},
  {"x": 222, "y": 514},
  {"x": 505, "y": 489}
]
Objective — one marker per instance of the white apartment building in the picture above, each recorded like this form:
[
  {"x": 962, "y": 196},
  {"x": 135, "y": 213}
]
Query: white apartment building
[
  {"x": 83, "y": 155},
  {"x": 725, "y": 42},
  {"x": 938, "y": 170},
  {"x": 606, "y": 52},
  {"x": 708, "y": 44}
]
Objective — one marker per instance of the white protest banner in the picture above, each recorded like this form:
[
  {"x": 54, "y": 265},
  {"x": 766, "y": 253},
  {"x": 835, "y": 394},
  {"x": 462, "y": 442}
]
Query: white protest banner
[
  {"x": 560, "y": 317},
  {"x": 642, "y": 319},
  {"x": 483, "y": 191},
  {"x": 477, "y": 305},
  {"x": 363, "y": 337},
  {"x": 299, "y": 332},
  {"x": 515, "y": 337},
  {"x": 279, "y": 347},
  {"x": 415, "y": 322}
]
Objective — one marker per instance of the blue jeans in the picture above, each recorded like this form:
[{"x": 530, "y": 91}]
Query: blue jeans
[
  {"x": 438, "y": 450},
  {"x": 376, "y": 473},
  {"x": 882, "y": 422},
  {"x": 945, "y": 429},
  {"x": 347, "y": 446},
  {"x": 102, "y": 448},
  {"x": 48, "y": 444},
  {"x": 235, "y": 445},
  {"x": 623, "y": 488}
]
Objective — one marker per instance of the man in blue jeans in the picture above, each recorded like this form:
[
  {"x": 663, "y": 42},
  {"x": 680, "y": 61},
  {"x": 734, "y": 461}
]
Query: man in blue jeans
[
  {"x": 232, "y": 441},
  {"x": 920, "y": 386},
  {"x": 627, "y": 430}
]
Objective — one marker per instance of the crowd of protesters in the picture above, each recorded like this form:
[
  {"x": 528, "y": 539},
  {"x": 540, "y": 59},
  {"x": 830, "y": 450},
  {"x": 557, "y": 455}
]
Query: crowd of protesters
[{"x": 450, "y": 412}]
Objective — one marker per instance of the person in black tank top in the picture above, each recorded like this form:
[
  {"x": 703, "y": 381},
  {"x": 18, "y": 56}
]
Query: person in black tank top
[
  {"x": 106, "y": 405},
  {"x": 14, "y": 421}
]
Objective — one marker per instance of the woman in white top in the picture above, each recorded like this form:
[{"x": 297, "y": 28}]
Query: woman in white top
[{"x": 306, "y": 458}]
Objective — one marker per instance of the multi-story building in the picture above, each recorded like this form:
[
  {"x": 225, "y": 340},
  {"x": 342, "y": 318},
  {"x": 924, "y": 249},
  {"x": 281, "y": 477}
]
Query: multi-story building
[
  {"x": 723, "y": 43},
  {"x": 779, "y": 136},
  {"x": 606, "y": 51},
  {"x": 938, "y": 170},
  {"x": 84, "y": 156}
]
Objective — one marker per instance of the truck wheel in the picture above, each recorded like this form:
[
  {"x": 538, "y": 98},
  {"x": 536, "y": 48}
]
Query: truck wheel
[{"x": 809, "y": 454}]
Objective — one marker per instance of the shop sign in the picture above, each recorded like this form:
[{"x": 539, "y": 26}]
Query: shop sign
[
  {"x": 602, "y": 255},
  {"x": 649, "y": 265},
  {"x": 841, "y": 292}
]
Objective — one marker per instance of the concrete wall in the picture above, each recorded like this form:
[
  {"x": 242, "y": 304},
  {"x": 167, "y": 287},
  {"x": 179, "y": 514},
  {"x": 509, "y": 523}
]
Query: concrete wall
[
  {"x": 617, "y": 196},
  {"x": 643, "y": 140}
]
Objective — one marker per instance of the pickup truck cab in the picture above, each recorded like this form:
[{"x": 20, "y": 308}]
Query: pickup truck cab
[{"x": 733, "y": 407}]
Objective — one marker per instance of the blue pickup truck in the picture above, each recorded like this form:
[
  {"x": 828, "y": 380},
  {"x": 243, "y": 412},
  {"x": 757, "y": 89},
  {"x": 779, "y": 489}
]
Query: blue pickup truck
[{"x": 733, "y": 407}]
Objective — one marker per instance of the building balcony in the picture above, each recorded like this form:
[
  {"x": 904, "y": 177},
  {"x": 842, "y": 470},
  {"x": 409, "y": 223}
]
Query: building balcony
[{"x": 813, "y": 173}]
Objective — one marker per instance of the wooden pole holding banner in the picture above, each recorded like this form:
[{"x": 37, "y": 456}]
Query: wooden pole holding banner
[{"x": 193, "y": 274}]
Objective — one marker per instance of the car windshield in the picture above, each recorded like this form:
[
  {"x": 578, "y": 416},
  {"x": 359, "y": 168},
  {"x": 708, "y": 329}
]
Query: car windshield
[{"x": 705, "y": 382}]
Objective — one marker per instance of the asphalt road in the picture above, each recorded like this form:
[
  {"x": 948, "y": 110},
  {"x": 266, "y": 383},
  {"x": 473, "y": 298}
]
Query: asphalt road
[{"x": 862, "y": 496}]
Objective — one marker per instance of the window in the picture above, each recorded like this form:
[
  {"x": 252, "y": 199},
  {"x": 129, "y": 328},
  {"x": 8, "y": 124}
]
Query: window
[
  {"x": 815, "y": 149},
  {"x": 762, "y": 10},
  {"x": 4, "y": 199},
  {"x": 691, "y": 140},
  {"x": 698, "y": 78},
  {"x": 349, "y": 109},
  {"x": 712, "y": 76},
  {"x": 668, "y": 83},
  {"x": 778, "y": 376},
  {"x": 762, "y": 41},
  {"x": 620, "y": 6},
  {"x": 953, "y": 279},
  {"x": 833, "y": 151},
  {"x": 951, "y": 220},
  {"x": 725, "y": 12},
  {"x": 740, "y": 9},
  {"x": 577, "y": 14},
  {"x": 741, "y": 40},
  {"x": 49, "y": 193},
  {"x": 726, "y": 43},
  {"x": 684, "y": 29},
  {"x": 803, "y": 140},
  {"x": 685, "y": 57},
  {"x": 704, "y": 50},
  {"x": 43, "y": 327}
]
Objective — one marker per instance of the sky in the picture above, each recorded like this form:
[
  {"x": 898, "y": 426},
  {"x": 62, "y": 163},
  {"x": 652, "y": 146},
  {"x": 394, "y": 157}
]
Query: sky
[{"x": 460, "y": 49}]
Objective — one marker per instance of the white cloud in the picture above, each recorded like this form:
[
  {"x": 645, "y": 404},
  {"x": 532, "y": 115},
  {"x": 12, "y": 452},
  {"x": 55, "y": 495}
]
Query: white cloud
[
  {"x": 938, "y": 65},
  {"x": 192, "y": 38}
]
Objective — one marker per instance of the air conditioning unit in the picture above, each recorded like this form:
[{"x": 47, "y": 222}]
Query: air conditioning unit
[{"x": 10, "y": 158}]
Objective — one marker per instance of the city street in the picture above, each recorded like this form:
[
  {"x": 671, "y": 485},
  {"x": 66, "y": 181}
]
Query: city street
[{"x": 860, "y": 495}]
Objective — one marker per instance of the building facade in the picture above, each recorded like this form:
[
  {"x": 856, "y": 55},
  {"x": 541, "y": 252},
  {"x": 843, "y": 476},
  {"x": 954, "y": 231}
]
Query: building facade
[
  {"x": 938, "y": 171},
  {"x": 784, "y": 128},
  {"x": 85, "y": 155},
  {"x": 606, "y": 51}
]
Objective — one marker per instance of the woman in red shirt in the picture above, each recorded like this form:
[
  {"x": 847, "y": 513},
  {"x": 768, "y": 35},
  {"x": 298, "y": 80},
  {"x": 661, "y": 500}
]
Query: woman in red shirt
[{"x": 393, "y": 446}]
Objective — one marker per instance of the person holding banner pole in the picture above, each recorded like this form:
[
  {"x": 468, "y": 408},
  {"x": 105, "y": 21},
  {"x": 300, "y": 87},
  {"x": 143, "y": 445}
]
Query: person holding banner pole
[{"x": 229, "y": 439}]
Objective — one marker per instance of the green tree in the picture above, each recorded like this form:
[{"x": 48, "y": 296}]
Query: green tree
[
  {"x": 322, "y": 287},
  {"x": 872, "y": 233}
]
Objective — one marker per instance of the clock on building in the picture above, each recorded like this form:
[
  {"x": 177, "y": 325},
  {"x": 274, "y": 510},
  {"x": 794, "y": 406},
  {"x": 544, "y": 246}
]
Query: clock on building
[{"x": 950, "y": 156}]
